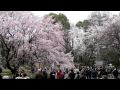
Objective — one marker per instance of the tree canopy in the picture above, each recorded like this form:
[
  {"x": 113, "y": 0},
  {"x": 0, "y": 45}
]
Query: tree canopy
[{"x": 62, "y": 19}]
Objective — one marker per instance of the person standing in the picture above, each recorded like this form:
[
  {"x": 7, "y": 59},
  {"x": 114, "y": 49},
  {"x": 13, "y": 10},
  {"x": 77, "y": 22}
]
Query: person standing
[
  {"x": 52, "y": 74},
  {"x": 72, "y": 74},
  {"x": 83, "y": 74},
  {"x": 0, "y": 70},
  {"x": 39, "y": 74},
  {"x": 77, "y": 75},
  {"x": 25, "y": 76},
  {"x": 0, "y": 73},
  {"x": 59, "y": 75},
  {"x": 88, "y": 73},
  {"x": 94, "y": 74},
  {"x": 115, "y": 73},
  {"x": 45, "y": 74},
  {"x": 18, "y": 76},
  {"x": 66, "y": 75},
  {"x": 0, "y": 76}
]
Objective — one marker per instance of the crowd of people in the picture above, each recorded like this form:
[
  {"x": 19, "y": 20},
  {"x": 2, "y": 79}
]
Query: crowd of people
[{"x": 84, "y": 72}]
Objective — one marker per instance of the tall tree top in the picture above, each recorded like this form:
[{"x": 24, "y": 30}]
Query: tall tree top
[{"x": 62, "y": 19}]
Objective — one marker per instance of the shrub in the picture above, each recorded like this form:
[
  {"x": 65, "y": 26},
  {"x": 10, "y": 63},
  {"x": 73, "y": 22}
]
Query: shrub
[
  {"x": 25, "y": 69},
  {"x": 6, "y": 72}
]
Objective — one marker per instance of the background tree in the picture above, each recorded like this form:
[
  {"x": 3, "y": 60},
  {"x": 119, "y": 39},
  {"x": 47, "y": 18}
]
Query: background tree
[
  {"x": 93, "y": 29},
  {"x": 85, "y": 24},
  {"x": 79, "y": 24},
  {"x": 77, "y": 43},
  {"x": 50, "y": 39},
  {"x": 99, "y": 17},
  {"x": 61, "y": 18},
  {"x": 25, "y": 38},
  {"x": 11, "y": 37},
  {"x": 111, "y": 41}
]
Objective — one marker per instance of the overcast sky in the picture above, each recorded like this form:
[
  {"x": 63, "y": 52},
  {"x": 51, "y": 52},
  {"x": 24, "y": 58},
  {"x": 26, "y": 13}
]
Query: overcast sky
[{"x": 73, "y": 16}]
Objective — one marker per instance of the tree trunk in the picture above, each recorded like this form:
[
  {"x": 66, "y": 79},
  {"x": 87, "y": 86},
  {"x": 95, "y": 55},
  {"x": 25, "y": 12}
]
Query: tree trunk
[{"x": 13, "y": 70}]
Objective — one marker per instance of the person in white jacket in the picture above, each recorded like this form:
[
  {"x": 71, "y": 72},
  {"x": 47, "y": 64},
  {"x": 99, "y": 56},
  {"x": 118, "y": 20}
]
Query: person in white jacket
[
  {"x": 19, "y": 77},
  {"x": 25, "y": 76}
]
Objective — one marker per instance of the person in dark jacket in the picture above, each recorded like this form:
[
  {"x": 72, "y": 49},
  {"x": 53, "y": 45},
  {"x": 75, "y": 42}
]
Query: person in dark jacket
[
  {"x": 88, "y": 74},
  {"x": 72, "y": 74},
  {"x": 77, "y": 75},
  {"x": 0, "y": 73},
  {"x": 104, "y": 72},
  {"x": 39, "y": 75},
  {"x": 0, "y": 70},
  {"x": 94, "y": 74},
  {"x": 83, "y": 76},
  {"x": 52, "y": 74},
  {"x": 115, "y": 73},
  {"x": 0, "y": 76},
  {"x": 45, "y": 74}
]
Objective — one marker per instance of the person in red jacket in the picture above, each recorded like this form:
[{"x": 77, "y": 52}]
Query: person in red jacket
[{"x": 59, "y": 75}]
